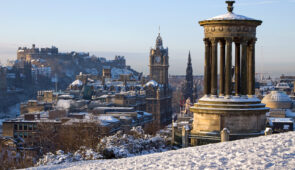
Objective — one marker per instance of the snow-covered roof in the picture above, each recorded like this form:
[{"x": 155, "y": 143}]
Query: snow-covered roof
[
  {"x": 108, "y": 118},
  {"x": 152, "y": 82},
  {"x": 77, "y": 83},
  {"x": 283, "y": 86},
  {"x": 147, "y": 114},
  {"x": 65, "y": 104},
  {"x": 280, "y": 120},
  {"x": 66, "y": 96},
  {"x": 290, "y": 114},
  {"x": 125, "y": 117},
  {"x": 116, "y": 72},
  {"x": 230, "y": 16}
]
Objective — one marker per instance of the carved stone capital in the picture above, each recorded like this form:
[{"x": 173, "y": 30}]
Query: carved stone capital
[
  {"x": 214, "y": 41},
  {"x": 228, "y": 40},
  {"x": 252, "y": 43},
  {"x": 206, "y": 41},
  {"x": 244, "y": 42}
]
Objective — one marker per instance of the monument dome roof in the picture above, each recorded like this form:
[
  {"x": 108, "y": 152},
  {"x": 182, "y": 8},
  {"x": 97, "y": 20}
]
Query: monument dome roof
[{"x": 230, "y": 15}]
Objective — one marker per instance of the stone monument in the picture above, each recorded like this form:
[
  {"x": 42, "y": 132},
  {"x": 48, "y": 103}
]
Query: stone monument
[{"x": 234, "y": 105}]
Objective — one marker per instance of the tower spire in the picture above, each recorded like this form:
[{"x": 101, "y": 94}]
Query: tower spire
[
  {"x": 159, "y": 29},
  {"x": 189, "y": 57},
  {"x": 188, "y": 86},
  {"x": 159, "y": 43}
]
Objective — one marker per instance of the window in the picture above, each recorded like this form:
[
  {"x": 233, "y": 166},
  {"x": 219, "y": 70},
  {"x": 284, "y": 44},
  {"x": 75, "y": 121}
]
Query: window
[
  {"x": 25, "y": 134},
  {"x": 20, "y": 127},
  {"x": 15, "y": 126},
  {"x": 34, "y": 127},
  {"x": 25, "y": 127},
  {"x": 30, "y": 127},
  {"x": 15, "y": 135},
  {"x": 20, "y": 134}
]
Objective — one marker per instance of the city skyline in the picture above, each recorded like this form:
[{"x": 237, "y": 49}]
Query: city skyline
[{"x": 130, "y": 28}]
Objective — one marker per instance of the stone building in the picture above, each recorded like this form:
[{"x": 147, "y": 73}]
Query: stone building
[
  {"x": 235, "y": 108},
  {"x": 106, "y": 72},
  {"x": 108, "y": 120},
  {"x": 26, "y": 127},
  {"x": 47, "y": 96},
  {"x": 277, "y": 100},
  {"x": 281, "y": 115},
  {"x": 34, "y": 106},
  {"x": 158, "y": 91}
]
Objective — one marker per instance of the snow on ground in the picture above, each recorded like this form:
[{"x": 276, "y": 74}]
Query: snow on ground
[{"x": 270, "y": 152}]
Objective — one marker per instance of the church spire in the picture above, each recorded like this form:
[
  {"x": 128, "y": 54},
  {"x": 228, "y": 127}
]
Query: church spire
[
  {"x": 189, "y": 58},
  {"x": 188, "y": 87}
]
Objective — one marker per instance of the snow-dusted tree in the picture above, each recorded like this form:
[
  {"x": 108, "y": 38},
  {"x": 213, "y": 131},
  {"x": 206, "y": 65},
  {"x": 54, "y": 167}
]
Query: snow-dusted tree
[{"x": 136, "y": 142}]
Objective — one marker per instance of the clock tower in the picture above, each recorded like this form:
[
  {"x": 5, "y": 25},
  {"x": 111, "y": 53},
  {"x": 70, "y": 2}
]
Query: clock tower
[
  {"x": 158, "y": 91},
  {"x": 159, "y": 63}
]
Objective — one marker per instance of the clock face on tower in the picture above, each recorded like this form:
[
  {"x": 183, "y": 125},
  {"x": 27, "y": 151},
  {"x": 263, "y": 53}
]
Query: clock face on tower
[{"x": 158, "y": 59}]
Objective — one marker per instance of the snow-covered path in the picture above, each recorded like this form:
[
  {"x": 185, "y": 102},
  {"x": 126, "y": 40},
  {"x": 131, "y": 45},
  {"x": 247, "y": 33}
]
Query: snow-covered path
[{"x": 270, "y": 152}]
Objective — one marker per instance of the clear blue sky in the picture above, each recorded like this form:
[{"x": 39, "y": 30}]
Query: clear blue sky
[{"x": 130, "y": 27}]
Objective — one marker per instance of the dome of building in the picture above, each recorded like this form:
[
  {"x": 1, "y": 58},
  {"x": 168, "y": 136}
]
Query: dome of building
[
  {"x": 230, "y": 15},
  {"x": 277, "y": 100}
]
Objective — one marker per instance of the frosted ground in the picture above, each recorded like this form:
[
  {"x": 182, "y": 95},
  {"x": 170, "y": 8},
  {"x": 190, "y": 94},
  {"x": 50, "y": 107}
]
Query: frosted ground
[{"x": 265, "y": 152}]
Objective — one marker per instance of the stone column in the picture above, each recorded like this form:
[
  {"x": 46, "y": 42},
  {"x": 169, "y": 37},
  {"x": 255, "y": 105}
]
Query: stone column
[
  {"x": 207, "y": 70},
  {"x": 173, "y": 133},
  {"x": 237, "y": 69},
  {"x": 251, "y": 68},
  {"x": 244, "y": 68},
  {"x": 214, "y": 67},
  {"x": 222, "y": 65},
  {"x": 185, "y": 136},
  {"x": 228, "y": 67}
]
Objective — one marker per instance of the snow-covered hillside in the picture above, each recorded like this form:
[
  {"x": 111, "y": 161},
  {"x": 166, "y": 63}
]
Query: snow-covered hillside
[{"x": 274, "y": 152}]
